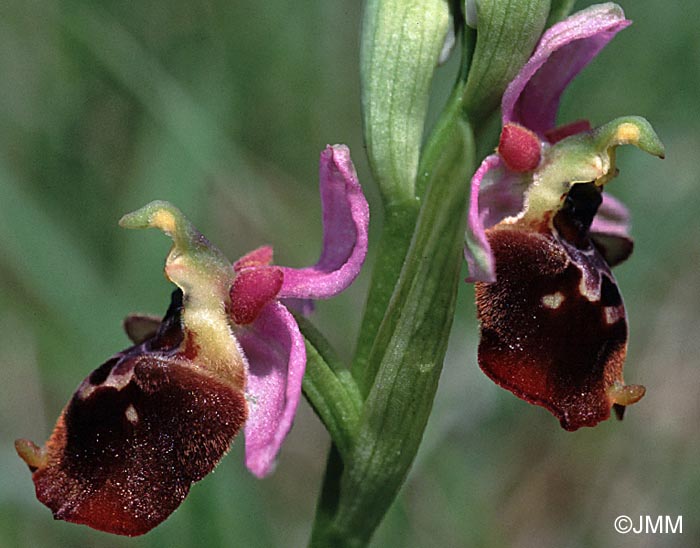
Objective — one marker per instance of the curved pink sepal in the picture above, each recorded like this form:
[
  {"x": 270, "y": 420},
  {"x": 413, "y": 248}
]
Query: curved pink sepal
[
  {"x": 277, "y": 360},
  {"x": 532, "y": 98},
  {"x": 477, "y": 251},
  {"x": 496, "y": 193},
  {"x": 345, "y": 223}
]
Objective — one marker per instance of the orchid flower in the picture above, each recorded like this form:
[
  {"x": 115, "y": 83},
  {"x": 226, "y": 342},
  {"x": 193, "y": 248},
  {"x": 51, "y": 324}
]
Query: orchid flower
[
  {"x": 542, "y": 236},
  {"x": 158, "y": 416}
]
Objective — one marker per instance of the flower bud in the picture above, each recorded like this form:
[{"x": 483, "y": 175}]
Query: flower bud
[{"x": 402, "y": 43}]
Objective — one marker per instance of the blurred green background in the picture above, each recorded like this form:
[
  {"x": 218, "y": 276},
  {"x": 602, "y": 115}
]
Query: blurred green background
[{"x": 222, "y": 108}]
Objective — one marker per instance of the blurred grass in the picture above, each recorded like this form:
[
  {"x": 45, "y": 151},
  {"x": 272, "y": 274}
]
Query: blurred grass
[{"x": 222, "y": 108}]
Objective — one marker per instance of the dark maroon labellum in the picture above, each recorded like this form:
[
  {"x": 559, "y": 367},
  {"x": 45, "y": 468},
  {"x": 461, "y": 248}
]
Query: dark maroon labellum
[
  {"x": 553, "y": 325},
  {"x": 136, "y": 434}
]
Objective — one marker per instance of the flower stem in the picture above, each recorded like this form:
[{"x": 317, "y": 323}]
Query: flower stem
[
  {"x": 399, "y": 223},
  {"x": 406, "y": 358}
]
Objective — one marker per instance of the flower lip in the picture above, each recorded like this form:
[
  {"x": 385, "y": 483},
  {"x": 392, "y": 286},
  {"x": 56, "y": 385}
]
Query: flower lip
[
  {"x": 136, "y": 434},
  {"x": 553, "y": 327}
]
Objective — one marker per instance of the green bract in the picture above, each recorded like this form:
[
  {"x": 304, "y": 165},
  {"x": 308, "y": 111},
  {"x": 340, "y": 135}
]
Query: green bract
[
  {"x": 401, "y": 45},
  {"x": 507, "y": 32}
]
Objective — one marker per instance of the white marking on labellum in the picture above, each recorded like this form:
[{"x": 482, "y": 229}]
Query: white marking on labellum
[
  {"x": 553, "y": 301},
  {"x": 613, "y": 314},
  {"x": 590, "y": 294},
  {"x": 131, "y": 415},
  {"x": 114, "y": 380}
]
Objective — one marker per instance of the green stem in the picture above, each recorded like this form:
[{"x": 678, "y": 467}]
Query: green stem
[
  {"x": 408, "y": 352},
  {"x": 401, "y": 42},
  {"x": 398, "y": 229},
  {"x": 322, "y": 534},
  {"x": 407, "y": 355},
  {"x": 399, "y": 223},
  {"x": 399, "y": 359}
]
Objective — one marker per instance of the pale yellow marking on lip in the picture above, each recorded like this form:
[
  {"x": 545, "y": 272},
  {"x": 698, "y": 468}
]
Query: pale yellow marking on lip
[
  {"x": 131, "y": 415},
  {"x": 116, "y": 381},
  {"x": 164, "y": 220},
  {"x": 628, "y": 133},
  {"x": 554, "y": 300},
  {"x": 613, "y": 314},
  {"x": 586, "y": 292},
  {"x": 622, "y": 394}
]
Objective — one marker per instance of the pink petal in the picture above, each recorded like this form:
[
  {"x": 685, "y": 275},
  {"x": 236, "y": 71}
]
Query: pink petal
[
  {"x": 610, "y": 230},
  {"x": 612, "y": 216},
  {"x": 345, "y": 221},
  {"x": 496, "y": 193},
  {"x": 477, "y": 251},
  {"x": 532, "y": 98},
  {"x": 277, "y": 360},
  {"x": 305, "y": 307}
]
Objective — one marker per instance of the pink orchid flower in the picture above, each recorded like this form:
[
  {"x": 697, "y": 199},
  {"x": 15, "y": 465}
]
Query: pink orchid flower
[
  {"x": 160, "y": 415},
  {"x": 542, "y": 235}
]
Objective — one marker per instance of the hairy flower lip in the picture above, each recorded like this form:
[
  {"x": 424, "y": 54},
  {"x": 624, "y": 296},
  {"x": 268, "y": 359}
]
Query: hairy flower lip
[
  {"x": 136, "y": 434},
  {"x": 553, "y": 326}
]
